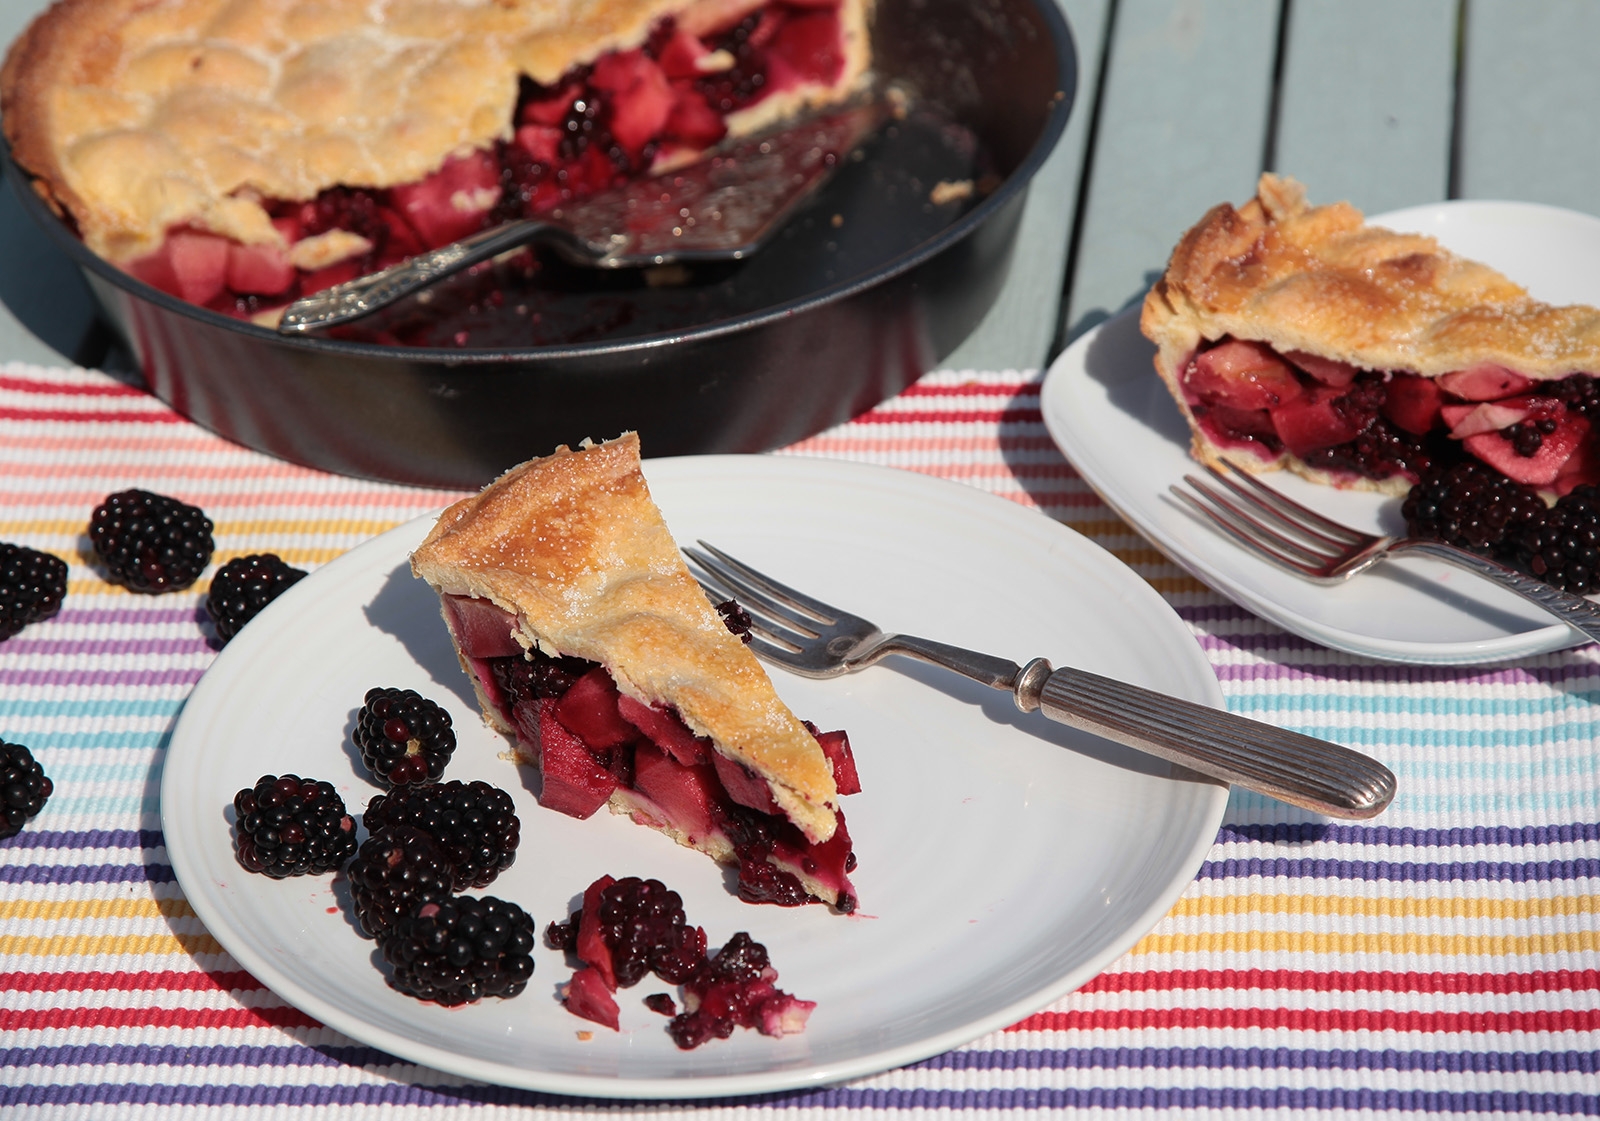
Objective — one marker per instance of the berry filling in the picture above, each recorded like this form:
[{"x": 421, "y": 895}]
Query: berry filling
[
  {"x": 627, "y": 114},
  {"x": 1386, "y": 424},
  {"x": 594, "y": 745},
  {"x": 1500, "y": 464},
  {"x": 629, "y": 928}
]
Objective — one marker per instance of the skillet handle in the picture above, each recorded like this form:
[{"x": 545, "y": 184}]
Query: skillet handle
[{"x": 364, "y": 295}]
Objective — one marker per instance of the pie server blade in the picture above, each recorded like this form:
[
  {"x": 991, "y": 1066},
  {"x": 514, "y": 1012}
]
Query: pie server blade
[{"x": 723, "y": 207}]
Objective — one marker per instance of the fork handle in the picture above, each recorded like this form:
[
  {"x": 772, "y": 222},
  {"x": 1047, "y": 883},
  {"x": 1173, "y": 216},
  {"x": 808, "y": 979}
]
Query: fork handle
[
  {"x": 1294, "y": 768},
  {"x": 1573, "y": 610}
]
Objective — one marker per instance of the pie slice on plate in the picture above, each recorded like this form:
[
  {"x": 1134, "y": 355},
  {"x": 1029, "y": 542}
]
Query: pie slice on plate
[
  {"x": 590, "y": 643},
  {"x": 242, "y": 153},
  {"x": 1300, "y": 337}
]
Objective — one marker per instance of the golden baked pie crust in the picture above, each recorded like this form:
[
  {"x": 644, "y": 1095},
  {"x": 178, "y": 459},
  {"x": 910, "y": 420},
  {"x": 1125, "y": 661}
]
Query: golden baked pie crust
[
  {"x": 140, "y": 115},
  {"x": 573, "y": 545}
]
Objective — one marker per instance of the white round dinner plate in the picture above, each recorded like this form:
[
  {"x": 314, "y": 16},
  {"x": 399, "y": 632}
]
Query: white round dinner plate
[
  {"x": 1004, "y": 860},
  {"x": 1113, "y": 418}
]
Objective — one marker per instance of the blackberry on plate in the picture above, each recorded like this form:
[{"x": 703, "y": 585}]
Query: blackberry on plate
[
  {"x": 32, "y": 586},
  {"x": 1473, "y": 506},
  {"x": 1563, "y": 549},
  {"x": 404, "y": 737},
  {"x": 23, "y": 788},
  {"x": 454, "y": 951},
  {"x": 245, "y": 585},
  {"x": 736, "y": 988},
  {"x": 292, "y": 826},
  {"x": 642, "y": 923},
  {"x": 475, "y": 824},
  {"x": 396, "y": 870},
  {"x": 149, "y": 542}
]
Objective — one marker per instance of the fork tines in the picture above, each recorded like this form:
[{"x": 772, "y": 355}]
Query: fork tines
[
  {"x": 1270, "y": 523},
  {"x": 778, "y": 612}
]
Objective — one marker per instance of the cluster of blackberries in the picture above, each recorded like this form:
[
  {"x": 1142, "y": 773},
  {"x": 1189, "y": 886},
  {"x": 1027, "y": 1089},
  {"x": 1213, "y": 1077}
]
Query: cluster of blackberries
[
  {"x": 427, "y": 843},
  {"x": 630, "y": 927},
  {"x": 148, "y": 543},
  {"x": 1475, "y": 507}
]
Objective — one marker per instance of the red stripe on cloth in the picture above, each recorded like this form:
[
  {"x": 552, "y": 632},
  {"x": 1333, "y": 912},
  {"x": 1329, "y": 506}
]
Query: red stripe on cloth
[
  {"x": 974, "y": 389},
  {"x": 953, "y": 416},
  {"x": 57, "y": 1019},
  {"x": 1299, "y": 980},
  {"x": 154, "y": 416},
  {"x": 172, "y": 980},
  {"x": 33, "y": 385},
  {"x": 1306, "y": 1019}
]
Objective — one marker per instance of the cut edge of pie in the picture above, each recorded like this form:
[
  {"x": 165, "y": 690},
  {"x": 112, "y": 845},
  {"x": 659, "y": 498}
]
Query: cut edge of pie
[
  {"x": 185, "y": 138},
  {"x": 1300, "y": 337},
  {"x": 567, "y": 557}
]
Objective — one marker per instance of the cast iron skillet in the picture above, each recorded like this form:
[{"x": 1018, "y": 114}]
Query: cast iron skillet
[{"x": 862, "y": 294}]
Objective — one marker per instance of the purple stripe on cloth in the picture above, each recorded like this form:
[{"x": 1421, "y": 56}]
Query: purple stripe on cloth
[
  {"x": 1067, "y": 1058},
  {"x": 145, "y": 678},
  {"x": 1396, "y": 871},
  {"x": 1309, "y": 831},
  {"x": 127, "y": 616},
  {"x": 86, "y": 839},
  {"x": 102, "y": 647},
  {"x": 395, "y": 1094},
  {"x": 86, "y": 873}
]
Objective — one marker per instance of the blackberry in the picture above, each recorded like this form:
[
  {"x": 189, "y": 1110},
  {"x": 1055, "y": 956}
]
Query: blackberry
[
  {"x": 564, "y": 935},
  {"x": 1472, "y": 506},
  {"x": 455, "y": 951},
  {"x": 23, "y": 788},
  {"x": 292, "y": 826},
  {"x": 32, "y": 586},
  {"x": 475, "y": 824},
  {"x": 643, "y": 925},
  {"x": 1581, "y": 394},
  {"x": 243, "y": 586},
  {"x": 149, "y": 542},
  {"x": 762, "y": 882},
  {"x": 1381, "y": 451},
  {"x": 1527, "y": 437},
  {"x": 536, "y": 675},
  {"x": 736, "y": 619},
  {"x": 732, "y": 989},
  {"x": 404, "y": 737},
  {"x": 1564, "y": 548},
  {"x": 662, "y": 1003},
  {"x": 396, "y": 870}
]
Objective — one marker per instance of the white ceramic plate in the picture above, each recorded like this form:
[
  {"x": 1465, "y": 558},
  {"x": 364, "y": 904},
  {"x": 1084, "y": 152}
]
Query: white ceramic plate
[
  {"x": 1111, "y": 415},
  {"x": 1004, "y": 860}
]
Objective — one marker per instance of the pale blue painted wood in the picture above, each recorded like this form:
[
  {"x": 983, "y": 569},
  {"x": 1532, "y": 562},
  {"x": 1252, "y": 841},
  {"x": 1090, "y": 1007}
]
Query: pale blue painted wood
[
  {"x": 1530, "y": 103},
  {"x": 1365, "y": 100},
  {"x": 45, "y": 307},
  {"x": 1020, "y": 329},
  {"x": 1182, "y": 127}
]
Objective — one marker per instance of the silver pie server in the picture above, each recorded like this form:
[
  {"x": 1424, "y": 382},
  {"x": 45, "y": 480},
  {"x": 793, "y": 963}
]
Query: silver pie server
[{"x": 723, "y": 207}]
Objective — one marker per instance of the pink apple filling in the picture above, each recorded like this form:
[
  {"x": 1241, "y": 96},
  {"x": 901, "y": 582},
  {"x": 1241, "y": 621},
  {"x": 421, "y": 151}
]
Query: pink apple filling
[
  {"x": 598, "y": 126},
  {"x": 1357, "y": 423},
  {"x": 594, "y": 745}
]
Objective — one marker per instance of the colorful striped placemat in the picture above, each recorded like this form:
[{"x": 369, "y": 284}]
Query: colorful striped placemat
[{"x": 1442, "y": 959}]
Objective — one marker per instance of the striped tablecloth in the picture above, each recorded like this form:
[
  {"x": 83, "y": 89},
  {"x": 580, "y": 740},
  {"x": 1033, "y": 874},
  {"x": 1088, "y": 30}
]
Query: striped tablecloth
[{"x": 1442, "y": 960}]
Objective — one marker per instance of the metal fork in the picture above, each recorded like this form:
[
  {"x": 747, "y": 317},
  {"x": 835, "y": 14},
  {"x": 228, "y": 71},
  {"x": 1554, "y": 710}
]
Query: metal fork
[
  {"x": 815, "y": 639},
  {"x": 1302, "y": 541}
]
